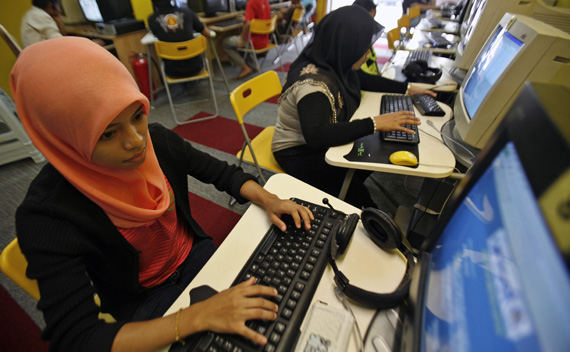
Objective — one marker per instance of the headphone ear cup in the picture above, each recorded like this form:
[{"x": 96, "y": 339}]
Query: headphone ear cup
[
  {"x": 343, "y": 236},
  {"x": 412, "y": 71},
  {"x": 430, "y": 75},
  {"x": 422, "y": 64},
  {"x": 381, "y": 228}
]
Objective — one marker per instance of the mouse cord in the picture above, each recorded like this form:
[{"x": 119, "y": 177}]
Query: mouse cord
[
  {"x": 340, "y": 296},
  {"x": 446, "y": 138}
]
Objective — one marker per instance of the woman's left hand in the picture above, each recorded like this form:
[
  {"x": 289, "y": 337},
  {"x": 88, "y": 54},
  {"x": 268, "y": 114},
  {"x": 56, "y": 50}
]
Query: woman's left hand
[
  {"x": 277, "y": 207},
  {"x": 417, "y": 90}
]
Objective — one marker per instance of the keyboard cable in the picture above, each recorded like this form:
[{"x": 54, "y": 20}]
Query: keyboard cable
[{"x": 344, "y": 301}]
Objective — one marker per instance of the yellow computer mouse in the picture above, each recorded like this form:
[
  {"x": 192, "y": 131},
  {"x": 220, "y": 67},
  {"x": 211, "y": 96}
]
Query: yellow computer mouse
[{"x": 403, "y": 157}]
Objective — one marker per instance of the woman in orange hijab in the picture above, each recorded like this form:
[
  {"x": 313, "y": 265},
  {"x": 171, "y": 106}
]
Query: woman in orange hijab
[{"x": 109, "y": 215}]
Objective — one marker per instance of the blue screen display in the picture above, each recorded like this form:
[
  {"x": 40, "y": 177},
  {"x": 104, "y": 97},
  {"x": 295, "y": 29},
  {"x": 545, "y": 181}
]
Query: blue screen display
[
  {"x": 491, "y": 63},
  {"x": 496, "y": 280}
]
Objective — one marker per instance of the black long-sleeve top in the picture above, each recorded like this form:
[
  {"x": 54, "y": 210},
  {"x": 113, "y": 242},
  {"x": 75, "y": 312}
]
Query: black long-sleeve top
[{"x": 75, "y": 251}]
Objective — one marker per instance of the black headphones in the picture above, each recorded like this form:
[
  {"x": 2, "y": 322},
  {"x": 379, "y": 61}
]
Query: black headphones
[
  {"x": 419, "y": 71},
  {"x": 387, "y": 235}
]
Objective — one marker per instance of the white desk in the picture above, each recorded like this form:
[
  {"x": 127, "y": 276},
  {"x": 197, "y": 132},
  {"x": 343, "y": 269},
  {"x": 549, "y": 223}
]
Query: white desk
[
  {"x": 365, "y": 264},
  {"x": 393, "y": 70},
  {"x": 449, "y": 26},
  {"x": 436, "y": 160},
  {"x": 419, "y": 41}
]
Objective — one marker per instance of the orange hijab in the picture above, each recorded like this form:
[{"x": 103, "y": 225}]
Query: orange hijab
[{"x": 67, "y": 90}]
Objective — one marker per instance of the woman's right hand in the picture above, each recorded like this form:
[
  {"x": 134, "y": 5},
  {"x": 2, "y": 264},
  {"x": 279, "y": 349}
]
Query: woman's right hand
[
  {"x": 228, "y": 311},
  {"x": 394, "y": 121}
]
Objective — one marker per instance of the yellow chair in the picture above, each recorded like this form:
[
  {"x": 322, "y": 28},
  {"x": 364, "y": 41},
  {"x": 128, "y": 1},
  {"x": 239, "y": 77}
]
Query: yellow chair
[
  {"x": 183, "y": 51},
  {"x": 244, "y": 98},
  {"x": 393, "y": 36},
  {"x": 14, "y": 264},
  {"x": 413, "y": 12},
  {"x": 293, "y": 32},
  {"x": 404, "y": 21},
  {"x": 404, "y": 24},
  {"x": 10, "y": 40},
  {"x": 258, "y": 26}
]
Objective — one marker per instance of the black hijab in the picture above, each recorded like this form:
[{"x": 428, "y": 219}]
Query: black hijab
[{"x": 339, "y": 40}]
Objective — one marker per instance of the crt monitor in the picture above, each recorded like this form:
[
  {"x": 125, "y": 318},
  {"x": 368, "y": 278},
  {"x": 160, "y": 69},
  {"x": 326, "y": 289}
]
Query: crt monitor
[
  {"x": 495, "y": 273},
  {"x": 209, "y": 7},
  {"x": 71, "y": 12},
  {"x": 106, "y": 10},
  {"x": 485, "y": 14},
  {"x": 520, "y": 49}
]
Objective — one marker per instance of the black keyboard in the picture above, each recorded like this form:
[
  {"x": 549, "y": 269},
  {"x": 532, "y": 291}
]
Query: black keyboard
[
  {"x": 293, "y": 262},
  {"x": 228, "y": 23},
  {"x": 438, "y": 40},
  {"x": 434, "y": 22},
  {"x": 427, "y": 105},
  {"x": 419, "y": 55},
  {"x": 395, "y": 103}
]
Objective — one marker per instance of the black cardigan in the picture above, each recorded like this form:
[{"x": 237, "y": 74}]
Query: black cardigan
[{"x": 75, "y": 251}]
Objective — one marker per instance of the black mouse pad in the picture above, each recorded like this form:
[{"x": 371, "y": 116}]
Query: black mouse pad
[
  {"x": 372, "y": 149},
  {"x": 200, "y": 293}
]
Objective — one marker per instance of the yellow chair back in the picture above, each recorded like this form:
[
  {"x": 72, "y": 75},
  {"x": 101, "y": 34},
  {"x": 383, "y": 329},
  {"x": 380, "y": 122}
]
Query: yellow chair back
[
  {"x": 14, "y": 265},
  {"x": 404, "y": 21},
  {"x": 393, "y": 36},
  {"x": 253, "y": 92},
  {"x": 414, "y": 11},
  {"x": 298, "y": 15},
  {"x": 258, "y": 26},
  {"x": 181, "y": 50}
]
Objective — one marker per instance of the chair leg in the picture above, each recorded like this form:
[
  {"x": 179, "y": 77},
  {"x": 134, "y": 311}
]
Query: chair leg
[
  {"x": 279, "y": 55},
  {"x": 168, "y": 94},
  {"x": 212, "y": 45},
  {"x": 248, "y": 141}
]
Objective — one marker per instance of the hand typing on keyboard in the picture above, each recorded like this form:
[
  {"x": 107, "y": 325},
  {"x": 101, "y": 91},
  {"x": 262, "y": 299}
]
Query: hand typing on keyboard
[
  {"x": 229, "y": 310},
  {"x": 394, "y": 121}
]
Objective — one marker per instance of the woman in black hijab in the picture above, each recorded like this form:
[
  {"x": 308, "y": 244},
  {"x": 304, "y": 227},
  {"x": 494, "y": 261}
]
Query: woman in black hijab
[{"x": 321, "y": 94}]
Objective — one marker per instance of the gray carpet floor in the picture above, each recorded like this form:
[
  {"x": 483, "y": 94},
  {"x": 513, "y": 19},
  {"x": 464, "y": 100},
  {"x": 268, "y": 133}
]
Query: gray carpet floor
[{"x": 16, "y": 177}]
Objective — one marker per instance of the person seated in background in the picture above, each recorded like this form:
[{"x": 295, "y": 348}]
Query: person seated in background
[
  {"x": 284, "y": 17},
  {"x": 109, "y": 216},
  {"x": 369, "y": 66},
  {"x": 177, "y": 24},
  {"x": 424, "y": 5},
  {"x": 43, "y": 21},
  {"x": 258, "y": 9},
  {"x": 310, "y": 7},
  {"x": 320, "y": 95}
]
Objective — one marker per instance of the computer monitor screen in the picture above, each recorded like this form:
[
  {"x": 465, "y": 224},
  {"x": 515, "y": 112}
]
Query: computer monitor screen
[
  {"x": 495, "y": 274},
  {"x": 484, "y": 16},
  {"x": 208, "y": 8},
  {"x": 106, "y": 10},
  {"x": 501, "y": 50},
  {"x": 520, "y": 49}
]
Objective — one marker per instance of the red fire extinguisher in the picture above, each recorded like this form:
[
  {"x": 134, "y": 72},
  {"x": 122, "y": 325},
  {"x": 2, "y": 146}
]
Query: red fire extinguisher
[{"x": 140, "y": 67}]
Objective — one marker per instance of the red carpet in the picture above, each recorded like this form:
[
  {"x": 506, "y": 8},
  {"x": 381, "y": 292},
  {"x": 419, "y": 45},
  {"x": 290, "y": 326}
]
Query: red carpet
[
  {"x": 18, "y": 332},
  {"x": 220, "y": 133},
  {"x": 215, "y": 220},
  {"x": 285, "y": 67}
]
